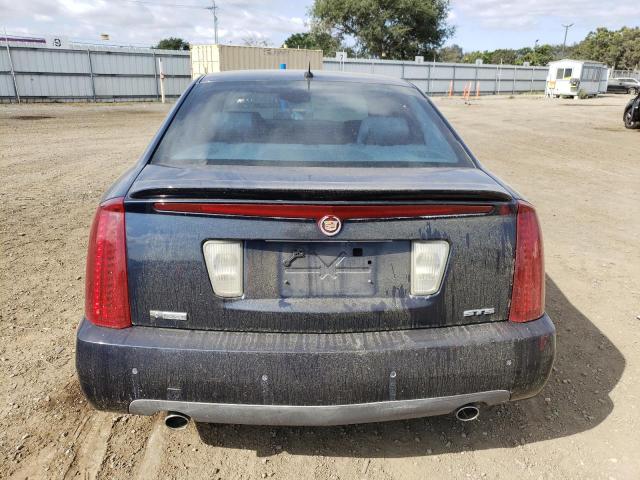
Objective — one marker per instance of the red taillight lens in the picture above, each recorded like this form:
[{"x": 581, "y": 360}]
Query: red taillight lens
[
  {"x": 527, "y": 297},
  {"x": 106, "y": 290}
]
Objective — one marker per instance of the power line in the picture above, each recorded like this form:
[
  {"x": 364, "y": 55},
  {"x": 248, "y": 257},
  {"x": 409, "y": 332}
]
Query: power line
[{"x": 213, "y": 8}]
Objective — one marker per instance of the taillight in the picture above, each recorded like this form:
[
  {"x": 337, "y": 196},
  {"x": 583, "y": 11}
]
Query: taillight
[
  {"x": 527, "y": 297},
  {"x": 106, "y": 290}
]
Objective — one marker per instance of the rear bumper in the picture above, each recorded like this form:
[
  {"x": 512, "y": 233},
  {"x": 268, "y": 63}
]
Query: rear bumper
[
  {"x": 312, "y": 379},
  {"x": 318, "y": 415}
]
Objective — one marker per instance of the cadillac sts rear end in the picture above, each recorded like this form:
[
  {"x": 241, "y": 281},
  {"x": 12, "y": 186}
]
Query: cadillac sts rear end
[{"x": 322, "y": 249}]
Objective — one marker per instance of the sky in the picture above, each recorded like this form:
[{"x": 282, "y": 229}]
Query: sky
[{"x": 480, "y": 24}]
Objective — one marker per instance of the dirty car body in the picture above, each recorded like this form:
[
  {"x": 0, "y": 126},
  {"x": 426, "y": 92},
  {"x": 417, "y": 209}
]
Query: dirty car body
[{"x": 311, "y": 251}]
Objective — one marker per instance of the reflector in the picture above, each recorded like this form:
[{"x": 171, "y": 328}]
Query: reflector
[
  {"x": 224, "y": 261},
  {"x": 428, "y": 261}
]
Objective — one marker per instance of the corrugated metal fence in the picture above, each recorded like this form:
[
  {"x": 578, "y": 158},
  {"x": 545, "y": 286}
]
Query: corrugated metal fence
[
  {"x": 90, "y": 74},
  {"x": 437, "y": 78},
  {"x": 117, "y": 74}
]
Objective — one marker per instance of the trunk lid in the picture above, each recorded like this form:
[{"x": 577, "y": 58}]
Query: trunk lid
[{"x": 296, "y": 279}]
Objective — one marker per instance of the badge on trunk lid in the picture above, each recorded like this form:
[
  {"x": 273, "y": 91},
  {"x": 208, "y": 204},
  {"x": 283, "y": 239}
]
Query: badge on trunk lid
[{"x": 330, "y": 225}]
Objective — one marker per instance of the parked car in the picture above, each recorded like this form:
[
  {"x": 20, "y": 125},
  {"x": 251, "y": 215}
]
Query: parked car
[
  {"x": 298, "y": 248},
  {"x": 624, "y": 85},
  {"x": 632, "y": 113}
]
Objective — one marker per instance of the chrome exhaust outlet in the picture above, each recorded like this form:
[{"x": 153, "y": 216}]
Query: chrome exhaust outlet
[
  {"x": 468, "y": 413},
  {"x": 176, "y": 420}
]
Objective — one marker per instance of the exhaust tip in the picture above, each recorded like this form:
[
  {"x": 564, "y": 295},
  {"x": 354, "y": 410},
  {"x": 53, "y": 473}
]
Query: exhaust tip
[
  {"x": 176, "y": 421},
  {"x": 468, "y": 413}
]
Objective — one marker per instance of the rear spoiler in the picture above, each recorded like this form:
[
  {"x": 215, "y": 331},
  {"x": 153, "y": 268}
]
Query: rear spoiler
[{"x": 180, "y": 193}]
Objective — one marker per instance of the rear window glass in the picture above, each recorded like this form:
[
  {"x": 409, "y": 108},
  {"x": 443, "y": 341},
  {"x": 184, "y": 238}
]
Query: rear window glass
[{"x": 308, "y": 123}]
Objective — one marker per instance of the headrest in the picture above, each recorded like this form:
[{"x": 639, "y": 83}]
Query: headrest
[{"x": 383, "y": 131}]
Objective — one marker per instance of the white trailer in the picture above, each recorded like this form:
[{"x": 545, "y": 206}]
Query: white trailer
[{"x": 568, "y": 78}]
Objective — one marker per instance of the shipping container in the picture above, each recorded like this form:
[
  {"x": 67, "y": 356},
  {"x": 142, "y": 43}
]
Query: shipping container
[{"x": 221, "y": 58}]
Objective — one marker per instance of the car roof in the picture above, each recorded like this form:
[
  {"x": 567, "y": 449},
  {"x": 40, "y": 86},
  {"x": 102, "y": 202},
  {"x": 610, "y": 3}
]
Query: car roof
[{"x": 292, "y": 75}]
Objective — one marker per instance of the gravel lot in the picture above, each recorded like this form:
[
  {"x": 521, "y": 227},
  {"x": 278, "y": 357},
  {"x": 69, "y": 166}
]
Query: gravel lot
[{"x": 573, "y": 159}]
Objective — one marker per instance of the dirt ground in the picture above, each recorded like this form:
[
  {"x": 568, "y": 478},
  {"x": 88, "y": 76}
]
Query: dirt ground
[{"x": 572, "y": 158}]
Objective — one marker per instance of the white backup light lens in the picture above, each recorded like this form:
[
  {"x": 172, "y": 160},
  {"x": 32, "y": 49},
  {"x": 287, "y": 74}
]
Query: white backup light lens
[
  {"x": 428, "y": 261},
  {"x": 225, "y": 265}
]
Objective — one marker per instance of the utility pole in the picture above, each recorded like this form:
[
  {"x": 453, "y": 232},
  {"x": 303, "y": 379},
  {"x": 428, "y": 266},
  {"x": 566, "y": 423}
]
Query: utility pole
[
  {"x": 566, "y": 30},
  {"x": 214, "y": 10}
]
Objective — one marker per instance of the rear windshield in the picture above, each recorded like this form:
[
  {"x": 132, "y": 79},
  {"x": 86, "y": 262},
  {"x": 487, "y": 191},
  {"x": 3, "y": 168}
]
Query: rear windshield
[{"x": 308, "y": 123}]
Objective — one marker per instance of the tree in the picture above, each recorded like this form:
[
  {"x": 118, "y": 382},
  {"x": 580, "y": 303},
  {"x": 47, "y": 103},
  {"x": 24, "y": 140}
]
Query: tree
[
  {"x": 541, "y": 55},
  {"x": 452, "y": 54},
  {"x": 172, "y": 43},
  {"x": 315, "y": 40},
  {"x": 471, "y": 57},
  {"x": 398, "y": 29},
  {"x": 502, "y": 55},
  {"x": 619, "y": 49},
  {"x": 301, "y": 40}
]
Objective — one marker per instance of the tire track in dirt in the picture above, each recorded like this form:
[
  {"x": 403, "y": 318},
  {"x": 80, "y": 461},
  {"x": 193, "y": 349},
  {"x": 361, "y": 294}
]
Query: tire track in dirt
[
  {"x": 90, "y": 456},
  {"x": 149, "y": 466},
  {"x": 125, "y": 448}
]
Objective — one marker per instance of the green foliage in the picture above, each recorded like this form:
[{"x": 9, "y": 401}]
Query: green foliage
[
  {"x": 451, "y": 54},
  {"x": 301, "y": 40},
  {"x": 582, "y": 94},
  {"x": 399, "y": 29},
  {"x": 172, "y": 43},
  {"x": 497, "y": 56},
  {"x": 315, "y": 40},
  {"x": 619, "y": 49},
  {"x": 541, "y": 55}
]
